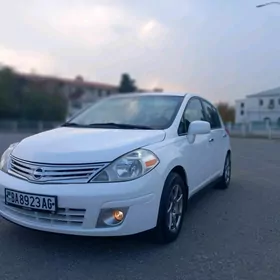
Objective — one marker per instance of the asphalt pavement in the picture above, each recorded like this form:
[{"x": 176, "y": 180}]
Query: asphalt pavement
[{"x": 232, "y": 234}]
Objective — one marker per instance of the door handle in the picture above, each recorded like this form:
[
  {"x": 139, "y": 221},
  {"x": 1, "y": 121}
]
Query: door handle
[
  {"x": 211, "y": 140},
  {"x": 225, "y": 135}
]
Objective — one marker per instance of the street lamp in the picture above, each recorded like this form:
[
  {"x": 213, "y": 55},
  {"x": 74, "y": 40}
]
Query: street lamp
[{"x": 266, "y": 4}]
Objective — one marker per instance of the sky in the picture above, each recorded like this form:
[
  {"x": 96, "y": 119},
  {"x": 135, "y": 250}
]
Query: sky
[{"x": 219, "y": 49}]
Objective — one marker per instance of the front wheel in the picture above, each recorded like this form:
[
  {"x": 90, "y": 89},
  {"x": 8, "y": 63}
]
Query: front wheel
[
  {"x": 172, "y": 209},
  {"x": 226, "y": 177}
]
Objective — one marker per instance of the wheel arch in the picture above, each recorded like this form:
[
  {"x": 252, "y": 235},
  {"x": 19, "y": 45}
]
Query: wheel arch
[
  {"x": 229, "y": 152},
  {"x": 183, "y": 174}
]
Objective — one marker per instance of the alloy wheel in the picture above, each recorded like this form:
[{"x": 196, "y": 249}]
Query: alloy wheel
[
  {"x": 227, "y": 172},
  {"x": 175, "y": 208}
]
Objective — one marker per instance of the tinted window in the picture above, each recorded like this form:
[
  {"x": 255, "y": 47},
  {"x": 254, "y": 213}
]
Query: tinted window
[
  {"x": 211, "y": 115},
  {"x": 155, "y": 111},
  {"x": 193, "y": 112}
]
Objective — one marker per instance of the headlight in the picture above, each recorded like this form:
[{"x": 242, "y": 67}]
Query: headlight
[
  {"x": 128, "y": 167},
  {"x": 4, "y": 163}
]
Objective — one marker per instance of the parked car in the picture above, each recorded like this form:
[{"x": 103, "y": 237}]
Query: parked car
[{"x": 127, "y": 164}]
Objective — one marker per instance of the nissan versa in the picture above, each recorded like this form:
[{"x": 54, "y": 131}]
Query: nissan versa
[{"x": 125, "y": 165}]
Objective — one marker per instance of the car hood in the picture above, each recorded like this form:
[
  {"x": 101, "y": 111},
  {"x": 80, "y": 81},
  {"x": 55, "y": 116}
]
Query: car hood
[{"x": 83, "y": 145}]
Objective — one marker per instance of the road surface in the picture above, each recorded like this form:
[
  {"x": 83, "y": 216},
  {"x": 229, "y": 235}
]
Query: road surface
[{"x": 232, "y": 234}]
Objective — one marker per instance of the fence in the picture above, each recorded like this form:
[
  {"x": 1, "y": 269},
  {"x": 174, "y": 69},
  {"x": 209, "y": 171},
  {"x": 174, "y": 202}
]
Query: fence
[
  {"x": 262, "y": 130},
  {"x": 27, "y": 126},
  {"x": 240, "y": 130}
]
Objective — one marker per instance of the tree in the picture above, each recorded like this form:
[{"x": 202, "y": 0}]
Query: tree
[
  {"x": 40, "y": 105},
  {"x": 127, "y": 84},
  {"x": 23, "y": 99},
  {"x": 8, "y": 90},
  {"x": 226, "y": 111}
]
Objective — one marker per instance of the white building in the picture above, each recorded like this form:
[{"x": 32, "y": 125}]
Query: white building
[
  {"x": 262, "y": 107},
  {"x": 82, "y": 94}
]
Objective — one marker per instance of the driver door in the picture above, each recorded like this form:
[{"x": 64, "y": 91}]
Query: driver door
[{"x": 196, "y": 155}]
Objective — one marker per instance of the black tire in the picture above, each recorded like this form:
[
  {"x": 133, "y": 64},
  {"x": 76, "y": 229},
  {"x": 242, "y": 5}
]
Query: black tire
[
  {"x": 226, "y": 177},
  {"x": 163, "y": 233}
]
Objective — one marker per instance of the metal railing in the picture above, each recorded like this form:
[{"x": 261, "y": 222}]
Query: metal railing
[
  {"x": 270, "y": 131},
  {"x": 26, "y": 126}
]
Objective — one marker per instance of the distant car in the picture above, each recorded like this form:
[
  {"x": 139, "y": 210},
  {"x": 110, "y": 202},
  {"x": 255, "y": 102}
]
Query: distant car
[{"x": 125, "y": 165}]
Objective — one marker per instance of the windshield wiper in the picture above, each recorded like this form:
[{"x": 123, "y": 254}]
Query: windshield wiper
[
  {"x": 71, "y": 124},
  {"x": 120, "y": 125},
  {"x": 108, "y": 125}
]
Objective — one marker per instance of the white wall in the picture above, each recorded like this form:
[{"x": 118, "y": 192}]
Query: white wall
[
  {"x": 89, "y": 97},
  {"x": 253, "y": 111},
  {"x": 239, "y": 118}
]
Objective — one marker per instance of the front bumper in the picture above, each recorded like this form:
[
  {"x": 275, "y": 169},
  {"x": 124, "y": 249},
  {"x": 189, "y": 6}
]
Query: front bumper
[{"x": 80, "y": 205}]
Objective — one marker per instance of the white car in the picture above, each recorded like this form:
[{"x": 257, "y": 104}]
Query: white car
[{"x": 127, "y": 164}]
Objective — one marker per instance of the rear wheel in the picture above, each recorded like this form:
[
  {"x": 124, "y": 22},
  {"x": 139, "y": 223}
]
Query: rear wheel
[
  {"x": 171, "y": 210},
  {"x": 226, "y": 177}
]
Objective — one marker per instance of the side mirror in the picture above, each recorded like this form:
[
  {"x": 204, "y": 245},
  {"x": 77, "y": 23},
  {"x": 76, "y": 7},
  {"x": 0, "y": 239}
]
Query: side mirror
[{"x": 199, "y": 127}]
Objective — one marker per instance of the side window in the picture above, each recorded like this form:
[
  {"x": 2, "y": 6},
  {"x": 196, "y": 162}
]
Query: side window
[
  {"x": 217, "y": 120},
  {"x": 211, "y": 115},
  {"x": 193, "y": 112}
]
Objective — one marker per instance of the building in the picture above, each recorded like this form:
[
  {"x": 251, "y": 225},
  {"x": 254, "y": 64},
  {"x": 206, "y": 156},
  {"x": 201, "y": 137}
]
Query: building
[
  {"x": 262, "y": 107},
  {"x": 78, "y": 92},
  {"x": 158, "y": 90}
]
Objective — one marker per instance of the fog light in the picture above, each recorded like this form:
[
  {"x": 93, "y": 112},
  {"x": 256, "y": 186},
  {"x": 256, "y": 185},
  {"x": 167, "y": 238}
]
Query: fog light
[
  {"x": 118, "y": 215},
  {"x": 111, "y": 217}
]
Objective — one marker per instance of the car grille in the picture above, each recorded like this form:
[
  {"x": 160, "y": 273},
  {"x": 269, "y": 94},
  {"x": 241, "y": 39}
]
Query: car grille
[
  {"x": 54, "y": 173},
  {"x": 63, "y": 216}
]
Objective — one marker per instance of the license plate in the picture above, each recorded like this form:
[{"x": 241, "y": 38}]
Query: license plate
[{"x": 31, "y": 201}]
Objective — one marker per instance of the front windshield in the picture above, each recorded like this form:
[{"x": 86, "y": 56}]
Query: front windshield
[{"x": 153, "y": 111}]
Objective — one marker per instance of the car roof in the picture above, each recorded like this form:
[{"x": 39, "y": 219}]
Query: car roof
[
  {"x": 154, "y": 93},
  {"x": 181, "y": 94}
]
